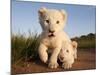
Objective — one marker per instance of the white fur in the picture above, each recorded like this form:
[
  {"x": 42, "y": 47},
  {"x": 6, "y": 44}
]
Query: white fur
[
  {"x": 68, "y": 53},
  {"x": 55, "y": 42}
]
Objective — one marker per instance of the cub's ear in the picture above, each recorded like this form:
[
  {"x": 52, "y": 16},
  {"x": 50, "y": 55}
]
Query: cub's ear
[
  {"x": 74, "y": 44},
  {"x": 42, "y": 11},
  {"x": 64, "y": 14}
]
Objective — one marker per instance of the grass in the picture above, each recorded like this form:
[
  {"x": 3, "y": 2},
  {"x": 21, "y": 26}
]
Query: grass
[
  {"x": 86, "y": 41},
  {"x": 25, "y": 48}
]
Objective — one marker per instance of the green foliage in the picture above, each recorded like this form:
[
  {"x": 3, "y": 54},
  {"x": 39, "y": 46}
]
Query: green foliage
[
  {"x": 24, "y": 48},
  {"x": 86, "y": 41}
]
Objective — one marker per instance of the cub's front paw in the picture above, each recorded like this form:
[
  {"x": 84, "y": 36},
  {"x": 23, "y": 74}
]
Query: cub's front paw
[
  {"x": 44, "y": 58},
  {"x": 53, "y": 65},
  {"x": 66, "y": 65}
]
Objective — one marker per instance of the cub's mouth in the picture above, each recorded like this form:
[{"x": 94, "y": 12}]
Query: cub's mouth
[{"x": 51, "y": 35}]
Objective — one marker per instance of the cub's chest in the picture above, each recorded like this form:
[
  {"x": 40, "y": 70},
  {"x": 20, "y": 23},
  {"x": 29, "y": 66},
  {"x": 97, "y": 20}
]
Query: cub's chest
[{"x": 51, "y": 42}]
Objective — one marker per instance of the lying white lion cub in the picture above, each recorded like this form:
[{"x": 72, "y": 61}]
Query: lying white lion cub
[{"x": 68, "y": 53}]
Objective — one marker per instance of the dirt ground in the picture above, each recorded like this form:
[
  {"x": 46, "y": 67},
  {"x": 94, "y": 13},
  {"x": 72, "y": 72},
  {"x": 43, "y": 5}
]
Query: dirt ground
[{"x": 86, "y": 61}]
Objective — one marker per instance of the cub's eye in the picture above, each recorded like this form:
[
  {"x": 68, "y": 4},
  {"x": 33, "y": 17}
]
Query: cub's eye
[
  {"x": 47, "y": 21},
  {"x": 67, "y": 51},
  {"x": 57, "y": 22}
]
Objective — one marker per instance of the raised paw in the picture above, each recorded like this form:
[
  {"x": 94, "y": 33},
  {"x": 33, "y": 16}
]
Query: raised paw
[
  {"x": 44, "y": 58},
  {"x": 53, "y": 65},
  {"x": 66, "y": 65}
]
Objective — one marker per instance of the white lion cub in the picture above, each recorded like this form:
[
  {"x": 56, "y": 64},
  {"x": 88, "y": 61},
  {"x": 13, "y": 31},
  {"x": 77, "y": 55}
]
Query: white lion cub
[
  {"x": 52, "y": 22},
  {"x": 68, "y": 53}
]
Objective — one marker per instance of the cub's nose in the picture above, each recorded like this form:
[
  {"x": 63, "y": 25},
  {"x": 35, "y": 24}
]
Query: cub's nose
[
  {"x": 51, "y": 31},
  {"x": 61, "y": 58}
]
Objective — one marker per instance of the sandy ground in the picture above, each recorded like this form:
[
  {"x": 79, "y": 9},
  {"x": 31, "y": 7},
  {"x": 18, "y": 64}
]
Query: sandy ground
[{"x": 86, "y": 60}]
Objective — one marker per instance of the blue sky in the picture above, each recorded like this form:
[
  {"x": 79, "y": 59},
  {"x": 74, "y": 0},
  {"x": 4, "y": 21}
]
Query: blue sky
[{"x": 81, "y": 18}]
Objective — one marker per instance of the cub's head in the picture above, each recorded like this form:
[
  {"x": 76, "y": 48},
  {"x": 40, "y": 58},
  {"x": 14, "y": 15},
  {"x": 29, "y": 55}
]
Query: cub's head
[
  {"x": 52, "y": 20},
  {"x": 68, "y": 52}
]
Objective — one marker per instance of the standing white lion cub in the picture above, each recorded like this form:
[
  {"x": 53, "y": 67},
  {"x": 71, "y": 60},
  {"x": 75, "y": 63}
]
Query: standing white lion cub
[{"x": 52, "y": 22}]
